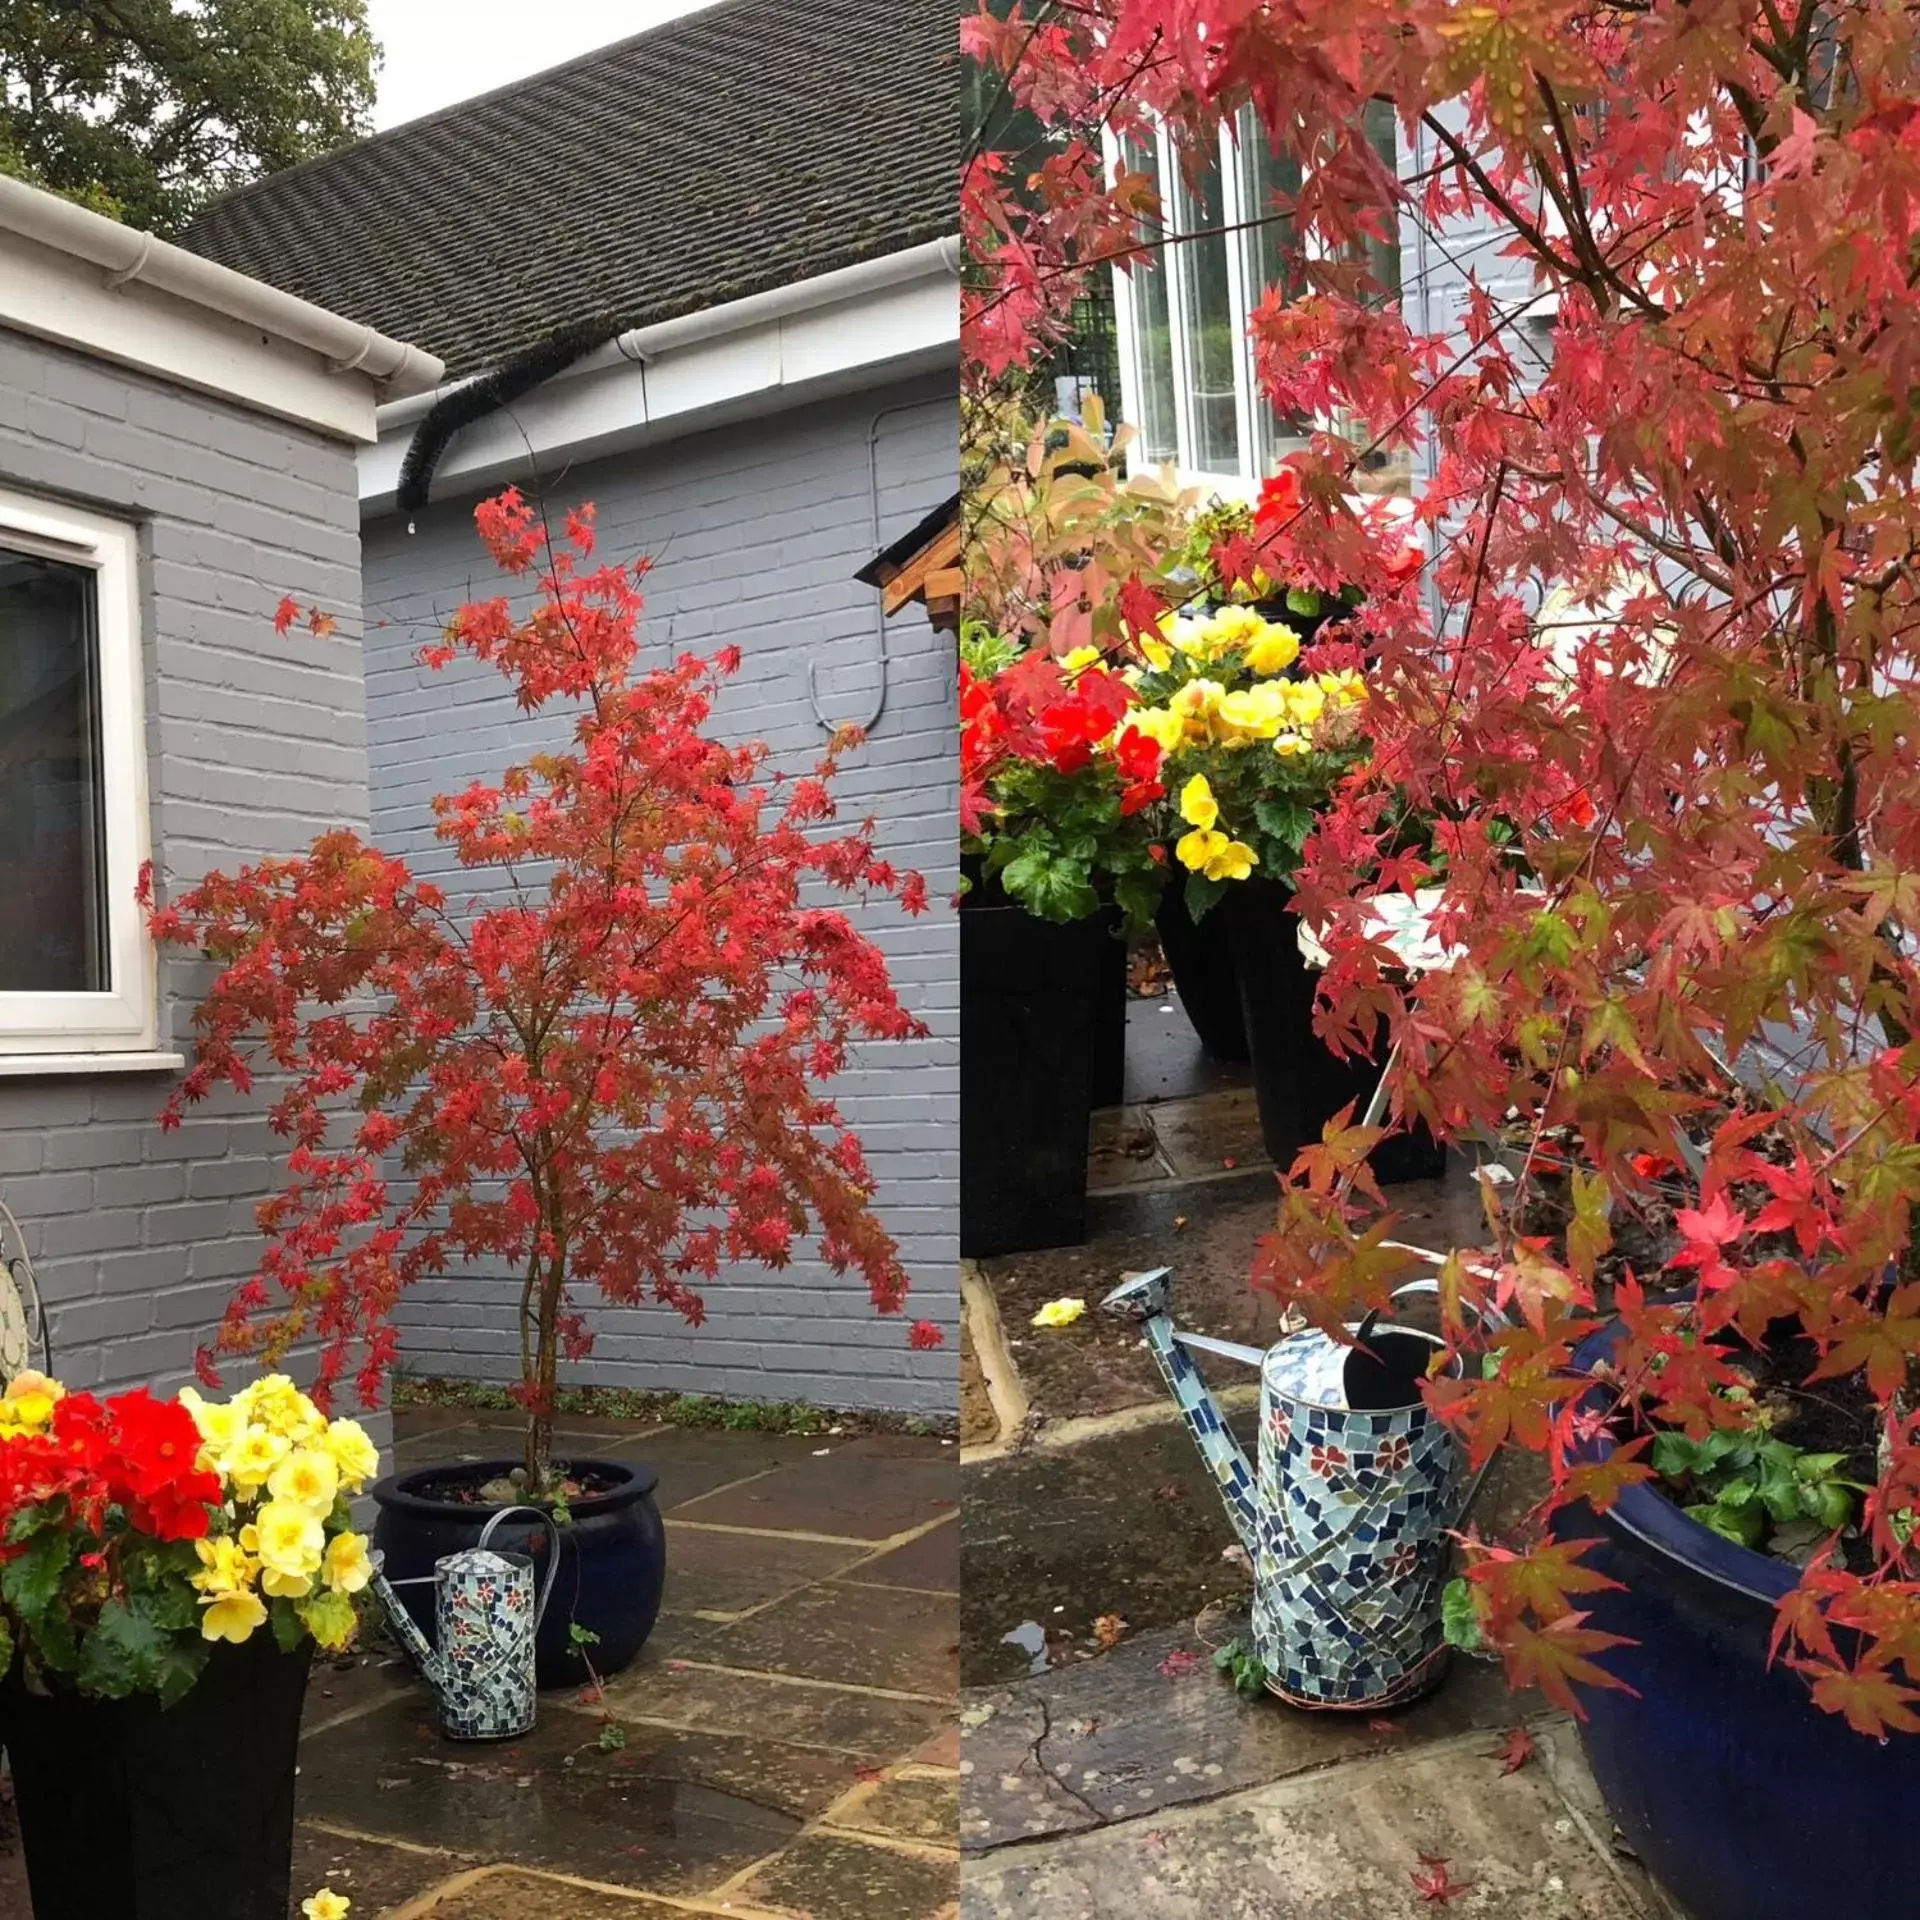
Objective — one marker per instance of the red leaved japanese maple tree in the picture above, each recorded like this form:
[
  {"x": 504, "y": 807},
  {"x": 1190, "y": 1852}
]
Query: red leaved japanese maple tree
[
  {"x": 1679, "y": 815},
  {"x": 605, "y": 1069}
]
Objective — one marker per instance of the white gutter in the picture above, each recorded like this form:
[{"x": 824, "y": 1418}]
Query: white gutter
[
  {"x": 73, "y": 276},
  {"x": 643, "y": 344}
]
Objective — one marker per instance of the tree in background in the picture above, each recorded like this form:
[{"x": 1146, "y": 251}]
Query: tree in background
[{"x": 148, "y": 110}]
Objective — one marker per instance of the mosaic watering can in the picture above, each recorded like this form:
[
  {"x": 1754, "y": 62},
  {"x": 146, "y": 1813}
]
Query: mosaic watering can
[
  {"x": 486, "y": 1614},
  {"x": 1346, "y": 1519}
]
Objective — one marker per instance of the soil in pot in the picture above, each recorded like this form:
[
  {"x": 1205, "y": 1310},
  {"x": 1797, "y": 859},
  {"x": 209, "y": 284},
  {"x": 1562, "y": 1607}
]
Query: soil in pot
[
  {"x": 613, "y": 1555},
  {"x": 141, "y": 1812}
]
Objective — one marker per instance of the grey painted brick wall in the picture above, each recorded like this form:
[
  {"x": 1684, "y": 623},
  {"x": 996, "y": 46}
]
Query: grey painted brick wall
[
  {"x": 254, "y": 743},
  {"x": 755, "y": 532}
]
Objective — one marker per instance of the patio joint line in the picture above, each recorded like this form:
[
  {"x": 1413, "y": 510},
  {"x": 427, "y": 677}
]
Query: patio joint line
[
  {"x": 339, "y": 1830},
  {"x": 870, "y": 1549},
  {"x": 826, "y": 1686},
  {"x": 1099, "y": 1426},
  {"x": 726, "y": 1486},
  {"x": 425, "y": 1903},
  {"x": 716, "y": 1730}
]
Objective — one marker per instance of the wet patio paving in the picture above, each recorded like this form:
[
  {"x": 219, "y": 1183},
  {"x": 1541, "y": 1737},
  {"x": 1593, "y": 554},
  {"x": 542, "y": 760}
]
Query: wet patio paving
[
  {"x": 788, "y": 1746},
  {"x": 1107, "y": 1771}
]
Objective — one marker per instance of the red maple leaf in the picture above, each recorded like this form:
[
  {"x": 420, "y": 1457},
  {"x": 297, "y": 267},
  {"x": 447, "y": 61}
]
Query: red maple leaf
[
  {"x": 1434, "y": 1882},
  {"x": 1516, "y": 1749}
]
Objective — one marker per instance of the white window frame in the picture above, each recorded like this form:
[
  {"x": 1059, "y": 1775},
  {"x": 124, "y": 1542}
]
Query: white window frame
[
  {"x": 83, "y": 1028},
  {"x": 1242, "y": 487}
]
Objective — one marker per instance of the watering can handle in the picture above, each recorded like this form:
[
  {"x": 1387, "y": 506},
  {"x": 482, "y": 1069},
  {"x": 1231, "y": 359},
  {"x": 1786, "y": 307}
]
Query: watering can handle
[
  {"x": 1491, "y": 1319},
  {"x": 553, "y": 1559}
]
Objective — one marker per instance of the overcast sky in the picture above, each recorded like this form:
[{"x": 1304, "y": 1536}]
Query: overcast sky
[{"x": 440, "y": 51}]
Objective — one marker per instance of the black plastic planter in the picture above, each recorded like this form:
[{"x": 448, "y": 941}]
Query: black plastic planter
[
  {"x": 1200, "y": 957},
  {"x": 143, "y": 1813},
  {"x": 1029, "y": 1010},
  {"x": 613, "y": 1555},
  {"x": 1110, "y": 1016},
  {"x": 1298, "y": 1083}
]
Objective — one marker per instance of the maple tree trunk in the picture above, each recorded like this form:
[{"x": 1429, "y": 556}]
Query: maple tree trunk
[{"x": 545, "y": 1377}]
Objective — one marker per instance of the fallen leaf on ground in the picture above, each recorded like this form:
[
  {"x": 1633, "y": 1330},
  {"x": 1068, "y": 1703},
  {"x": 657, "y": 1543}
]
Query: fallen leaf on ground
[
  {"x": 1229, "y": 1162},
  {"x": 1516, "y": 1750},
  {"x": 1383, "y": 1726},
  {"x": 1108, "y": 1631},
  {"x": 1179, "y": 1221},
  {"x": 1434, "y": 1883},
  {"x": 1179, "y": 1663},
  {"x": 1059, "y": 1313},
  {"x": 866, "y": 1773},
  {"x": 1238, "y": 1555},
  {"x": 1170, "y": 1490}
]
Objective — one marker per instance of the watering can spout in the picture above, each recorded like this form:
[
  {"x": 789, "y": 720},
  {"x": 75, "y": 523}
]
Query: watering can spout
[
  {"x": 1147, "y": 1297},
  {"x": 433, "y": 1669}
]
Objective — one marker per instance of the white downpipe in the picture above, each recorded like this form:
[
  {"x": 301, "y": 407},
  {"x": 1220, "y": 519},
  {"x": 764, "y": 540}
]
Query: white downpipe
[
  {"x": 125, "y": 255},
  {"x": 644, "y": 344}
]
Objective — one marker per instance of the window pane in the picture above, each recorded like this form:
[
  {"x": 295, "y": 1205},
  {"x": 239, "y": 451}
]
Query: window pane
[
  {"x": 1152, "y": 332},
  {"x": 52, "y": 871},
  {"x": 1383, "y": 256},
  {"x": 1273, "y": 261},
  {"x": 1212, "y": 338}
]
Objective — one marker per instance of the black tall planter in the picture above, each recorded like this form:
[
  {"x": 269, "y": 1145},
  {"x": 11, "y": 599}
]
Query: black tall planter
[
  {"x": 1298, "y": 1083},
  {"x": 137, "y": 1812},
  {"x": 1029, "y": 1010},
  {"x": 1110, "y": 1015},
  {"x": 1200, "y": 957}
]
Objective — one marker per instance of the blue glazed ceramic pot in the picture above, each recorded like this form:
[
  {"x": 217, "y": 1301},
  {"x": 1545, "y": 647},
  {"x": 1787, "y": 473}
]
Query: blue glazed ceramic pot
[{"x": 1743, "y": 1798}]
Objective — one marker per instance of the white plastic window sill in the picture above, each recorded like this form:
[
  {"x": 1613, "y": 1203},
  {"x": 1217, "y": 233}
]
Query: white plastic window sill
[{"x": 15, "y": 1066}]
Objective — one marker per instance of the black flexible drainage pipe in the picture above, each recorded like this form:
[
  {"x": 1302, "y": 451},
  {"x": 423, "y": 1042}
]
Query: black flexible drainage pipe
[{"x": 507, "y": 382}]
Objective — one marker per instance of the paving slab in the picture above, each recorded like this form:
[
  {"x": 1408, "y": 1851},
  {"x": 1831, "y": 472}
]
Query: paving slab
[
  {"x": 503, "y": 1894},
  {"x": 916, "y": 1806},
  {"x": 1208, "y": 1133},
  {"x": 376, "y": 1877},
  {"x": 692, "y": 1462},
  {"x": 1122, "y": 1151},
  {"x": 1342, "y": 1844},
  {"x": 732, "y": 1573},
  {"x": 838, "y": 1492},
  {"x": 874, "y": 1636},
  {"x": 1164, "y": 1056},
  {"x": 1129, "y": 1524},
  {"x": 669, "y": 1812},
  {"x": 872, "y": 1728},
  {"x": 826, "y": 1877},
  {"x": 1152, "y": 1726},
  {"x": 931, "y": 1563}
]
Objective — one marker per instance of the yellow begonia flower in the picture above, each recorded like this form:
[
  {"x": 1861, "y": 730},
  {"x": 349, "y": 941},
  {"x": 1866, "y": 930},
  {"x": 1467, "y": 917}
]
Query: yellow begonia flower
[
  {"x": 285, "y": 1586},
  {"x": 231, "y": 1616},
  {"x": 1214, "y": 855},
  {"x": 1080, "y": 659},
  {"x": 330, "y": 1618},
  {"x": 1275, "y": 650},
  {"x": 1306, "y": 702},
  {"x": 1257, "y": 712},
  {"x": 308, "y": 1478},
  {"x": 1286, "y": 745},
  {"x": 1163, "y": 727},
  {"x": 1234, "y": 627},
  {"x": 274, "y": 1402},
  {"x": 348, "y": 1566},
  {"x": 220, "y": 1424},
  {"x": 353, "y": 1453},
  {"x": 224, "y": 1566},
  {"x": 1059, "y": 1313},
  {"x": 1345, "y": 688},
  {"x": 1198, "y": 807},
  {"x": 1187, "y": 636},
  {"x": 1156, "y": 653},
  {"x": 1196, "y": 703},
  {"x": 29, "y": 1402},
  {"x": 291, "y": 1540},
  {"x": 252, "y": 1457},
  {"x": 326, "y": 1905}
]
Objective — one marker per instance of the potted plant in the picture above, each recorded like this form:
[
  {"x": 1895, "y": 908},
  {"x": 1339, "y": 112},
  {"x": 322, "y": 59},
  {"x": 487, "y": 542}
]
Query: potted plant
[
  {"x": 169, "y": 1567},
  {"x": 1057, "y": 854},
  {"x": 1257, "y": 700},
  {"x": 603, "y": 1072}
]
